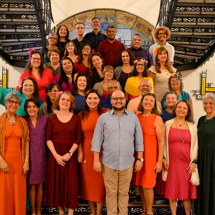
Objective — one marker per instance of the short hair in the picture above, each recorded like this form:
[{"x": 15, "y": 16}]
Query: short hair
[
  {"x": 58, "y": 29},
  {"x": 72, "y": 106},
  {"x": 209, "y": 96},
  {"x": 53, "y": 34},
  {"x": 12, "y": 95},
  {"x": 54, "y": 50},
  {"x": 154, "y": 109},
  {"x": 119, "y": 85},
  {"x": 95, "y": 17},
  {"x": 169, "y": 93},
  {"x": 36, "y": 88},
  {"x": 176, "y": 75},
  {"x": 111, "y": 26},
  {"x": 145, "y": 72},
  {"x": 75, "y": 85},
  {"x": 75, "y": 49},
  {"x": 188, "y": 117},
  {"x": 137, "y": 35},
  {"x": 108, "y": 68},
  {"x": 131, "y": 55},
  {"x": 167, "y": 31},
  {"x": 79, "y": 23},
  {"x": 32, "y": 99}
]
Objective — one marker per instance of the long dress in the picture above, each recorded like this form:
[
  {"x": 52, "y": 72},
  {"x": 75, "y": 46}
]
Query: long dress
[
  {"x": 13, "y": 183},
  {"x": 62, "y": 182},
  {"x": 91, "y": 183},
  {"x": 178, "y": 185},
  {"x": 206, "y": 166},
  {"x": 38, "y": 150},
  {"x": 146, "y": 177}
]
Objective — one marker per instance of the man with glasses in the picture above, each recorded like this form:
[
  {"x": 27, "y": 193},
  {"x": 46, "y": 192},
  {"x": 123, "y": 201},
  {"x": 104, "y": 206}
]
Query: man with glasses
[
  {"x": 162, "y": 34},
  {"x": 119, "y": 134}
]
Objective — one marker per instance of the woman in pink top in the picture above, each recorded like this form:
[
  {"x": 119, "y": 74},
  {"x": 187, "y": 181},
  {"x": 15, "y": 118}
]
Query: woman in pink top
[{"x": 34, "y": 69}]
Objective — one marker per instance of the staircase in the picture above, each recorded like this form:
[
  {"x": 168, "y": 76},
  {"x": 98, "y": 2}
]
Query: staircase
[
  {"x": 192, "y": 24},
  {"x": 24, "y": 24}
]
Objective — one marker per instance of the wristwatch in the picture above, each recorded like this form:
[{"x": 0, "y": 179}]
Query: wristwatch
[
  {"x": 70, "y": 153},
  {"x": 140, "y": 159}
]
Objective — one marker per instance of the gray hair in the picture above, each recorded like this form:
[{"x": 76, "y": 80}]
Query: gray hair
[
  {"x": 53, "y": 34},
  {"x": 12, "y": 95},
  {"x": 209, "y": 96},
  {"x": 118, "y": 84}
]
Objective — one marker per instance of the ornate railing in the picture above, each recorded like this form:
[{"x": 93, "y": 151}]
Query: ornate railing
[
  {"x": 44, "y": 14},
  {"x": 167, "y": 11}
]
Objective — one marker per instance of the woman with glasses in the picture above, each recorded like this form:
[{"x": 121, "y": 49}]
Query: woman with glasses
[
  {"x": 35, "y": 69},
  {"x": 50, "y": 106},
  {"x": 52, "y": 41},
  {"x": 63, "y": 137},
  {"x": 132, "y": 84},
  {"x": 14, "y": 158},
  {"x": 102, "y": 87}
]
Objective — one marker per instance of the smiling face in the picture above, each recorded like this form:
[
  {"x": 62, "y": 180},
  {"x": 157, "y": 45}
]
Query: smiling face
[
  {"x": 162, "y": 56},
  {"x": 92, "y": 101},
  {"x": 97, "y": 61},
  {"x": 118, "y": 100},
  {"x": 171, "y": 100},
  {"x": 62, "y": 31},
  {"x": 67, "y": 66},
  {"x": 82, "y": 83},
  {"x": 79, "y": 29},
  {"x": 70, "y": 47},
  {"x": 27, "y": 88},
  {"x": 108, "y": 75},
  {"x": 162, "y": 36},
  {"x": 52, "y": 40},
  {"x": 86, "y": 50},
  {"x": 148, "y": 103},
  {"x": 65, "y": 102},
  {"x": 12, "y": 105},
  {"x": 54, "y": 57},
  {"x": 145, "y": 87},
  {"x": 53, "y": 93},
  {"x": 136, "y": 42},
  {"x": 96, "y": 24},
  {"x": 125, "y": 58},
  {"x": 181, "y": 109},
  {"x": 32, "y": 109},
  {"x": 35, "y": 60},
  {"x": 209, "y": 106},
  {"x": 111, "y": 34},
  {"x": 175, "y": 84},
  {"x": 140, "y": 67}
]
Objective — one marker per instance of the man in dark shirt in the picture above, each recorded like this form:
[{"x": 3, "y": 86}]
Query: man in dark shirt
[
  {"x": 79, "y": 30},
  {"x": 96, "y": 36},
  {"x": 110, "y": 48},
  {"x": 140, "y": 52}
]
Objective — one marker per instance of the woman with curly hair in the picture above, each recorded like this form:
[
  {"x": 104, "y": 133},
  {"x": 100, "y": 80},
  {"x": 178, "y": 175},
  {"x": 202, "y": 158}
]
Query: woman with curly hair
[
  {"x": 160, "y": 72},
  {"x": 125, "y": 62}
]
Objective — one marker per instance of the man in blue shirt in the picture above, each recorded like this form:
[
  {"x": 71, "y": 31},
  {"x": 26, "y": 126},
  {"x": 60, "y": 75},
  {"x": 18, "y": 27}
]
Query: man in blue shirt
[{"x": 119, "y": 134}]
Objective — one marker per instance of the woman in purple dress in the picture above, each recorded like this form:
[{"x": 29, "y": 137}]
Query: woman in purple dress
[{"x": 38, "y": 152}]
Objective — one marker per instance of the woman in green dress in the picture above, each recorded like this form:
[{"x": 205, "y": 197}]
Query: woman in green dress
[{"x": 206, "y": 160}]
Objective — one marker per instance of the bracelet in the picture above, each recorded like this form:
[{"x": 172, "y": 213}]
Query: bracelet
[
  {"x": 26, "y": 159},
  {"x": 194, "y": 161},
  {"x": 164, "y": 158}
]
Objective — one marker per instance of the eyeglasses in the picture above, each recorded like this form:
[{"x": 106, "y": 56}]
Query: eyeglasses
[
  {"x": 13, "y": 102},
  {"x": 118, "y": 98},
  {"x": 161, "y": 33},
  {"x": 174, "y": 81},
  {"x": 66, "y": 100},
  {"x": 115, "y": 88},
  {"x": 33, "y": 58},
  {"x": 208, "y": 103},
  {"x": 140, "y": 65},
  {"x": 52, "y": 38}
]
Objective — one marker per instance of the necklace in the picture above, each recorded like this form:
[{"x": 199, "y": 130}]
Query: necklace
[
  {"x": 12, "y": 122},
  {"x": 208, "y": 120},
  {"x": 180, "y": 134}
]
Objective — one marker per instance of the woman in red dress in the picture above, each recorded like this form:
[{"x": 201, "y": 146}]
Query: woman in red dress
[
  {"x": 63, "y": 137},
  {"x": 153, "y": 134},
  {"x": 91, "y": 184}
]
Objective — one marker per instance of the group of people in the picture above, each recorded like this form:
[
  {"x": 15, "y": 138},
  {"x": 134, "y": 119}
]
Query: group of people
[{"x": 89, "y": 117}]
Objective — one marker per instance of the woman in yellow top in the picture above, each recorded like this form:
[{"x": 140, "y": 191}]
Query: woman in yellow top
[{"x": 140, "y": 72}]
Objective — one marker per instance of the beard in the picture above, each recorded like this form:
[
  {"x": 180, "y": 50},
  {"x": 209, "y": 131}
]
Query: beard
[{"x": 119, "y": 109}]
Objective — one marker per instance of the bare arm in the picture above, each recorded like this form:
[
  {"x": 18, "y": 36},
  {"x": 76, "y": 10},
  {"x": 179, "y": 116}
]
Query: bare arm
[
  {"x": 151, "y": 74},
  {"x": 26, "y": 162},
  {"x": 80, "y": 154},
  {"x": 3, "y": 165},
  {"x": 67, "y": 156},
  {"x": 191, "y": 106},
  {"x": 97, "y": 163},
  {"x": 138, "y": 163},
  {"x": 126, "y": 96}
]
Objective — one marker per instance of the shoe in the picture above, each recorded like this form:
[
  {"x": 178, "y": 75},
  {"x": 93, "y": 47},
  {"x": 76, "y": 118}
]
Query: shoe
[{"x": 138, "y": 199}]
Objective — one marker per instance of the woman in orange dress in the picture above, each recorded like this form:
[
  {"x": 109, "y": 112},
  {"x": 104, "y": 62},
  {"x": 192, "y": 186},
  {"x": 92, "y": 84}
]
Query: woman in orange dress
[
  {"x": 91, "y": 183},
  {"x": 14, "y": 158},
  {"x": 153, "y": 134}
]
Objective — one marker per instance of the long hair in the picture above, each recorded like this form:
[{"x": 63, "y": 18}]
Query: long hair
[
  {"x": 57, "y": 32},
  {"x": 167, "y": 64},
  {"x": 119, "y": 57},
  {"x": 36, "y": 88},
  {"x": 29, "y": 66},
  {"x": 63, "y": 77},
  {"x": 66, "y": 53},
  {"x": 80, "y": 56},
  {"x": 154, "y": 109},
  {"x": 92, "y": 68},
  {"x": 145, "y": 72},
  {"x": 49, "y": 87},
  {"x": 75, "y": 85},
  {"x": 188, "y": 117},
  {"x": 86, "y": 109}
]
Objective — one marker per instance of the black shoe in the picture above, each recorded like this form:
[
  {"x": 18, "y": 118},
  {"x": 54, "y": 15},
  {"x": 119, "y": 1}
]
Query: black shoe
[{"x": 138, "y": 199}]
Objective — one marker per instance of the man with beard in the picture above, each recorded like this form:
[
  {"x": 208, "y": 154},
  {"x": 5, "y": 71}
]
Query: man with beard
[
  {"x": 110, "y": 48},
  {"x": 119, "y": 134},
  {"x": 144, "y": 87}
]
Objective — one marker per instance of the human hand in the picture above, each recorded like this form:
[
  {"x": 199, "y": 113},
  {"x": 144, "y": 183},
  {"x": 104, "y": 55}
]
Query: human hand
[
  {"x": 3, "y": 166},
  {"x": 158, "y": 167},
  {"x": 59, "y": 160},
  {"x": 97, "y": 166},
  {"x": 191, "y": 168},
  {"x": 138, "y": 165},
  {"x": 80, "y": 157},
  {"x": 66, "y": 157},
  {"x": 165, "y": 164},
  {"x": 25, "y": 168}
]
